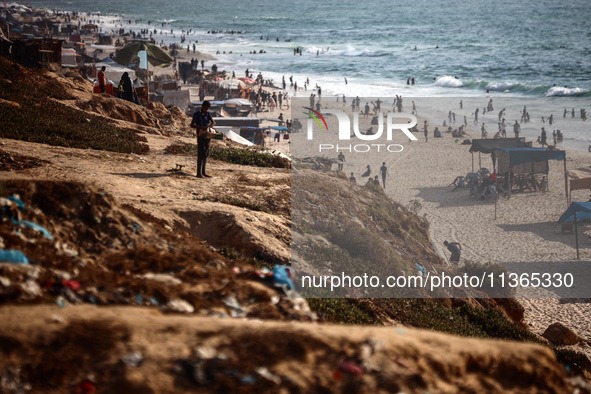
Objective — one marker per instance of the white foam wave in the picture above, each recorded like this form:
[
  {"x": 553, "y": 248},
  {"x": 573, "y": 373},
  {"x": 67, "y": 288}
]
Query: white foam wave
[
  {"x": 349, "y": 51},
  {"x": 501, "y": 86},
  {"x": 561, "y": 91},
  {"x": 447, "y": 81}
]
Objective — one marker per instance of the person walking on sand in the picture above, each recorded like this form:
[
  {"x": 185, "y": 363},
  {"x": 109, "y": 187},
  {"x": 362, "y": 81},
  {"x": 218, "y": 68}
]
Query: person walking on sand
[
  {"x": 426, "y": 130},
  {"x": 202, "y": 120},
  {"x": 384, "y": 172},
  {"x": 456, "y": 249}
]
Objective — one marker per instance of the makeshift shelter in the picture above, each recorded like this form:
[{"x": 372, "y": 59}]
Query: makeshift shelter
[
  {"x": 233, "y": 136},
  {"x": 487, "y": 146},
  {"x": 576, "y": 211},
  {"x": 237, "y": 122},
  {"x": 527, "y": 162},
  {"x": 114, "y": 71},
  {"x": 69, "y": 58},
  {"x": 38, "y": 53},
  {"x": 156, "y": 56},
  {"x": 237, "y": 107},
  {"x": 252, "y": 134},
  {"x": 579, "y": 179}
]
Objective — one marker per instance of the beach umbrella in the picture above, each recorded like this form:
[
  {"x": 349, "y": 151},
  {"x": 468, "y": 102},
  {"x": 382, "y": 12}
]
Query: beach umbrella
[
  {"x": 157, "y": 57},
  {"x": 576, "y": 211},
  {"x": 248, "y": 81}
]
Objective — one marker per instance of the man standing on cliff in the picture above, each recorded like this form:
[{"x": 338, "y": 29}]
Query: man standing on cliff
[
  {"x": 202, "y": 120},
  {"x": 102, "y": 79}
]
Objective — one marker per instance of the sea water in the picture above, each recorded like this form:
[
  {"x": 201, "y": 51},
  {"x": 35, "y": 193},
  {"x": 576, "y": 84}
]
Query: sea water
[{"x": 532, "y": 48}]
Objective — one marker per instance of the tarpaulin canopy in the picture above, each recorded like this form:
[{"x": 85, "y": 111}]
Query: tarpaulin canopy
[
  {"x": 236, "y": 101},
  {"x": 580, "y": 178},
  {"x": 114, "y": 71},
  {"x": 156, "y": 55},
  {"x": 487, "y": 145},
  {"x": 253, "y": 128},
  {"x": 279, "y": 128},
  {"x": 529, "y": 155},
  {"x": 247, "y": 80},
  {"x": 231, "y": 135},
  {"x": 211, "y": 102},
  {"x": 582, "y": 209},
  {"x": 576, "y": 210}
]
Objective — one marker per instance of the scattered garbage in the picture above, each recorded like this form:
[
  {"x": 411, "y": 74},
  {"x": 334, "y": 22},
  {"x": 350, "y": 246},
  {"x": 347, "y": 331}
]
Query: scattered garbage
[
  {"x": 421, "y": 269},
  {"x": 16, "y": 199},
  {"x": 30, "y": 289},
  {"x": 166, "y": 279},
  {"x": 13, "y": 256},
  {"x": 351, "y": 367},
  {"x": 61, "y": 302},
  {"x": 134, "y": 359},
  {"x": 216, "y": 263},
  {"x": 237, "y": 309},
  {"x": 180, "y": 306},
  {"x": 71, "y": 284},
  {"x": 34, "y": 226},
  {"x": 265, "y": 373},
  {"x": 86, "y": 386},
  {"x": 12, "y": 380},
  {"x": 282, "y": 276},
  {"x": 248, "y": 379}
]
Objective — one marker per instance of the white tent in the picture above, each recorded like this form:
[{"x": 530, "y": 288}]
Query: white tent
[
  {"x": 68, "y": 57},
  {"x": 114, "y": 71},
  {"x": 231, "y": 135}
]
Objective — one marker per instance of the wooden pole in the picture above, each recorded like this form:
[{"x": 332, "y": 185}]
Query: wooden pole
[
  {"x": 479, "y": 163},
  {"x": 533, "y": 177},
  {"x": 566, "y": 183},
  {"x": 509, "y": 175},
  {"x": 576, "y": 236},
  {"x": 472, "y": 161},
  {"x": 496, "y": 207},
  {"x": 148, "y": 76}
]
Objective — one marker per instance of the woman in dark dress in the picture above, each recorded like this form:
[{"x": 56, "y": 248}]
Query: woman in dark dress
[{"x": 127, "y": 86}]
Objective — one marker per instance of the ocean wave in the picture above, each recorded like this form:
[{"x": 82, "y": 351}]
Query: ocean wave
[
  {"x": 448, "y": 81},
  {"x": 525, "y": 89},
  {"x": 560, "y": 91},
  {"x": 349, "y": 51}
]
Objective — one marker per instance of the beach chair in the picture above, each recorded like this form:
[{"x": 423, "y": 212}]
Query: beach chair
[
  {"x": 472, "y": 178},
  {"x": 474, "y": 191},
  {"x": 492, "y": 193},
  {"x": 481, "y": 194},
  {"x": 460, "y": 181}
]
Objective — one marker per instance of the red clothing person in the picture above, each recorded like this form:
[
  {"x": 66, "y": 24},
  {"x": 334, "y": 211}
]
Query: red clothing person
[{"x": 102, "y": 79}]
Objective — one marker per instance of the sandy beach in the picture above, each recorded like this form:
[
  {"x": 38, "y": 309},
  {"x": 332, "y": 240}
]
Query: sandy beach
[{"x": 525, "y": 229}]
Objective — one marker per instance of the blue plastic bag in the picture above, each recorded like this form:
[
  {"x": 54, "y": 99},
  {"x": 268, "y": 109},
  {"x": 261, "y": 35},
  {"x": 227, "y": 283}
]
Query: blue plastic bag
[
  {"x": 13, "y": 256},
  {"x": 282, "y": 276}
]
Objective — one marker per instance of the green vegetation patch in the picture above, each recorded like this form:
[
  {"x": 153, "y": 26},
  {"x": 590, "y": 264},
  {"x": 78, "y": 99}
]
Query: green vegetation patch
[{"x": 246, "y": 157}]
